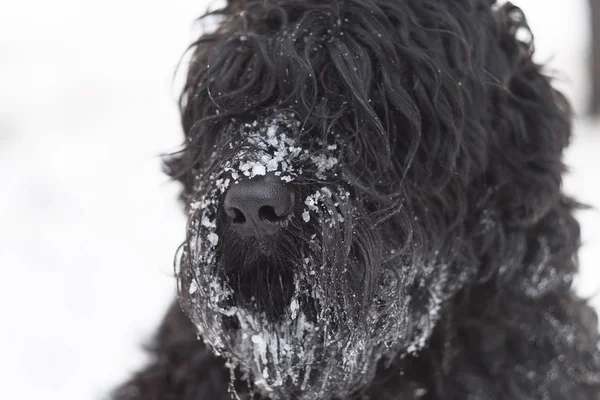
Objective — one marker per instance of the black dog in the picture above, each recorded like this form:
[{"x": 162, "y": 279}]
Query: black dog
[{"x": 375, "y": 211}]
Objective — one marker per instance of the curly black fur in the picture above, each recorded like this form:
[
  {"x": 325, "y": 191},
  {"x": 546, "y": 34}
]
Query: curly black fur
[{"x": 441, "y": 253}]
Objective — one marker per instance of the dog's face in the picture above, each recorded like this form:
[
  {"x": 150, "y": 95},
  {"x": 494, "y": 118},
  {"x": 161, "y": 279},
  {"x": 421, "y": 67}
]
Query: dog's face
[
  {"x": 334, "y": 179},
  {"x": 289, "y": 271}
]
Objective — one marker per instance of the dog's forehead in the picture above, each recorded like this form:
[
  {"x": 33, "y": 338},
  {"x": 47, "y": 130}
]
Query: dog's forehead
[{"x": 270, "y": 124}]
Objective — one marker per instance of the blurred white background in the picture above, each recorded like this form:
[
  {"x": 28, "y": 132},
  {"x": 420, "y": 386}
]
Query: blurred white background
[{"x": 89, "y": 225}]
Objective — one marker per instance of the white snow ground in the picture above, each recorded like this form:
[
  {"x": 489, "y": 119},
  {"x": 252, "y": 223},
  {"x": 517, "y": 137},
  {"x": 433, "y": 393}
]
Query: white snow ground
[{"x": 89, "y": 225}]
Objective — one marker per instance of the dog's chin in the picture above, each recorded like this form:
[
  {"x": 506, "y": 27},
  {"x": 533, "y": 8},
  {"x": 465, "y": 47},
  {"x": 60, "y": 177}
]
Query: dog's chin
[
  {"x": 309, "y": 348},
  {"x": 299, "y": 354}
]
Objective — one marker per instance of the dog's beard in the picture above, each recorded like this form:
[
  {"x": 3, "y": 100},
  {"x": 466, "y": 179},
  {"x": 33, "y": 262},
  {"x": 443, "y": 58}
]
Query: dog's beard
[{"x": 313, "y": 317}]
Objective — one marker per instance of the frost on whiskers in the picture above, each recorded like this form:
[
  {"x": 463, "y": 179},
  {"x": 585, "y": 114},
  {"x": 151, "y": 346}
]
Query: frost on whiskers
[{"x": 318, "y": 348}]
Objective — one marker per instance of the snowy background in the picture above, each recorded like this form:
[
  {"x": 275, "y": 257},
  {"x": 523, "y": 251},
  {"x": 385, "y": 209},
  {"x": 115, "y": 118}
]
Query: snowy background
[{"x": 89, "y": 225}]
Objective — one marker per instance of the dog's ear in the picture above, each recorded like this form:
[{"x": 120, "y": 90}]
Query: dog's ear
[{"x": 530, "y": 127}]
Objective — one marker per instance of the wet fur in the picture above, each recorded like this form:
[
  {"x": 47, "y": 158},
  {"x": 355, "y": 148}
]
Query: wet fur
[{"x": 453, "y": 143}]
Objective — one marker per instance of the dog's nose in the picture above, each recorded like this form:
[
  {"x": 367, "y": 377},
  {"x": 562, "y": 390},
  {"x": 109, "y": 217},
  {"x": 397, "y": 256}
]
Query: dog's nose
[{"x": 256, "y": 207}]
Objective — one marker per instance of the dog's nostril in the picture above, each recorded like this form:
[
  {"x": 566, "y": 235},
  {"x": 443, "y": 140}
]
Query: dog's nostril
[
  {"x": 239, "y": 217},
  {"x": 267, "y": 213}
]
